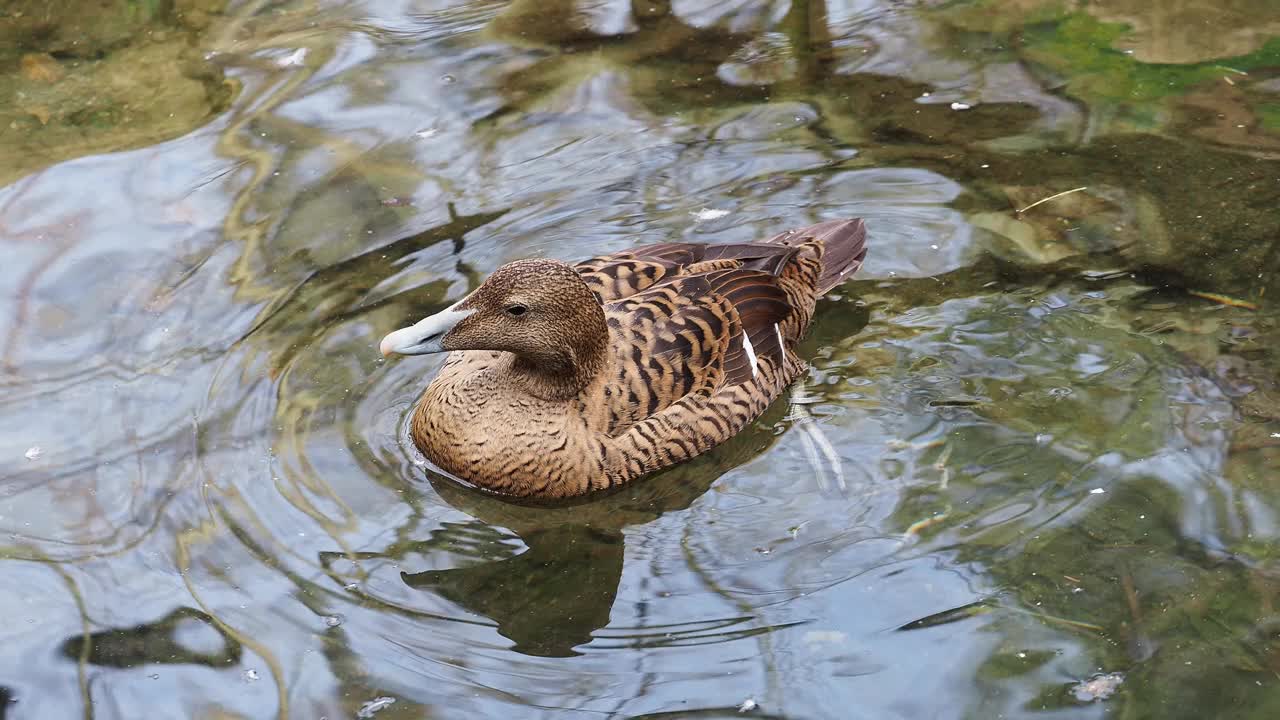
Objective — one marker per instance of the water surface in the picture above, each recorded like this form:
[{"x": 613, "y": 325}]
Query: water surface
[{"x": 1056, "y": 424}]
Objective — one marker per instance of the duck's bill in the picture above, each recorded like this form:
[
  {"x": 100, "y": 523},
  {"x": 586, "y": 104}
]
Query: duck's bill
[{"x": 425, "y": 336}]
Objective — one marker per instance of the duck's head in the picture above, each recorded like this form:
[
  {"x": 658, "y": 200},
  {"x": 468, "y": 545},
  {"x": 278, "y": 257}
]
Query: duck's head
[{"x": 540, "y": 310}]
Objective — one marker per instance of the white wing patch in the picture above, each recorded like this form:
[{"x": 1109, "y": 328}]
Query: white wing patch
[{"x": 751, "y": 354}]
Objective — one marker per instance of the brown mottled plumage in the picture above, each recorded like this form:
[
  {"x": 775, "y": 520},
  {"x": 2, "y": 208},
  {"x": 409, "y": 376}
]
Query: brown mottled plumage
[{"x": 565, "y": 379}]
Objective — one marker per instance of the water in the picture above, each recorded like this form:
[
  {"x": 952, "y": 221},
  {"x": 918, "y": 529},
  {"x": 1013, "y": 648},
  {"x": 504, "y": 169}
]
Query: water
[{"x": 1057, "y": 464}]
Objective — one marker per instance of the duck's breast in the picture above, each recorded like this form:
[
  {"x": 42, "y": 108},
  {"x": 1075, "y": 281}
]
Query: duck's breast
[{"x": 476, "y": 427}]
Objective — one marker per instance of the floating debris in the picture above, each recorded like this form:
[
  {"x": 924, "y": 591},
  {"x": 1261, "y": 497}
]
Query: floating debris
[
  {"x": 1098, "y": 687},
  {"x": 1067, "y": 622},
  {"x": 333, "y": 620},
  {"x": 1224, "y": 299},
  {"x": 960, "y": 106},
  {"x": 708, "y": 214},
  {"x": 294, "y": 59},
  {"x": 375, "y": 705},
  {"x": 251, "y": 675},
  {"x": 1055, "y": 196},
  {"x": 40, "y": 67},
  {"x": 964, "y": 612},
  {"x": 982, "y": 607},
  {"x": 958, "y": 402},
  {"x": 1097, "y": 491},
  {"x": 39, "y": 112},
  {"x": 34, "y": 451},
  {"x": 748, "y": 705},
  {"x": 921, "y": 525},
  {"x": 897, "y": 444},
  {"x": 426, "y": 133}
]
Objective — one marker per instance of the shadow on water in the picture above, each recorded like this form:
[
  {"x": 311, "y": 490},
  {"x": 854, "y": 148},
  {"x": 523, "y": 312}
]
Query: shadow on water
[
  {"x": 559, "y": 591},
  {"x": 155, "y": 643},
  {"x": 1052, "y": 392},
  {"x": 549, "y": 598}
]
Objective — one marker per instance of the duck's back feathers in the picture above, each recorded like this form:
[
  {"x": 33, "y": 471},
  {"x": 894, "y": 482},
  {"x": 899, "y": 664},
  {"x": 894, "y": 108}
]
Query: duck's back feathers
[{"x": 621, "y": 275}]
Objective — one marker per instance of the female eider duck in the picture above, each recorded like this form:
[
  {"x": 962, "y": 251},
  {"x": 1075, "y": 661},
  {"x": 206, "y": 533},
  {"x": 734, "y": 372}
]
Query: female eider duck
[{"x": 563, "y": 379}]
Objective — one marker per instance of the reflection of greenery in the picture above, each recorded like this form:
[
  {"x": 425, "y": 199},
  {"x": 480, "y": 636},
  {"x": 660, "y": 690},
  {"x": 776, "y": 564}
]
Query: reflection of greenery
[
  {"x": 150, "y": 8},
  {"x": 1184, "y": 622},
  {"x": 1103, "y": 56},
  {"x": 1269, "y": 114},
  {"x": 1157, "y": 574},
  {"x": 1081, "y": 47},
  {"x": 100, "y": 76}
]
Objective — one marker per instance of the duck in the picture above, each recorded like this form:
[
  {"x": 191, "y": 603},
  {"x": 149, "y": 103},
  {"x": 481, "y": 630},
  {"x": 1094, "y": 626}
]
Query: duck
[{"x": 566, "y": 379}]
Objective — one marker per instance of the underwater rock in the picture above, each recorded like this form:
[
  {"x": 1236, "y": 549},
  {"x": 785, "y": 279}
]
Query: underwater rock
[
  {"x": 1098, "y": 687},
  {"x": 101, "y": 77}
]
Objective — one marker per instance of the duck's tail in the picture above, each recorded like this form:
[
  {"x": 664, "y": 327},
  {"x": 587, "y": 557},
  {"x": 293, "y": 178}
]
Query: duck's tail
[{"x": 844, "y": 246}]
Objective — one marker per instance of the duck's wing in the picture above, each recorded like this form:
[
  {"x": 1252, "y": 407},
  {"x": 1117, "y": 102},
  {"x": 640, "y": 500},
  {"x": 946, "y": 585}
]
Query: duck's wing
[
  {"x": 841, "y": 243},
  {"x": 622, "y": 275},
  {"x": 705, "y": 336},
  {"x": 700, "y": 356},
  {"x": 723, "y": 319},
  {"x": 694, "y": 334}
]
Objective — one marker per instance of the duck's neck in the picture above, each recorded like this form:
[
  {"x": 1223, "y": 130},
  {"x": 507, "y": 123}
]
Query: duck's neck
[{"x": 562, "y": 370}]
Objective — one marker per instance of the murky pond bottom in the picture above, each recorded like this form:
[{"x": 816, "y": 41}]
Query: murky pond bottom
[{"x": 1037, "y": 468}]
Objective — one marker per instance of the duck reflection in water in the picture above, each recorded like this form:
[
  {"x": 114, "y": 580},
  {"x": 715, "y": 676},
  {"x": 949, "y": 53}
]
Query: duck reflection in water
[{"x": 554, "y": 596}]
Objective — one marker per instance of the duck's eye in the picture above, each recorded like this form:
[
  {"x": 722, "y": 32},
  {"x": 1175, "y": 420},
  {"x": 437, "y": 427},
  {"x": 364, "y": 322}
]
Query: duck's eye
[{"x": 517, "y": 310}]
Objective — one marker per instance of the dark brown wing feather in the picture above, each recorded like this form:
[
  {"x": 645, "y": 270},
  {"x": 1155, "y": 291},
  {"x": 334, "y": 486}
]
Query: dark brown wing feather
[
  {"x": 762, "y": 305},
  {"x": 844, "y": 247}
]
